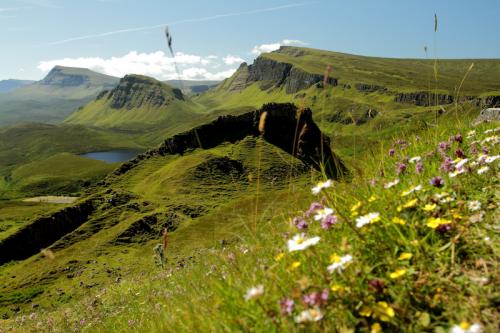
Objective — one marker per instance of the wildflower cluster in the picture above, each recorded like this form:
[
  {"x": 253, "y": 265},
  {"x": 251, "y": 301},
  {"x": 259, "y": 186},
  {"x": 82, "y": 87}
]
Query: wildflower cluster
[{"x": 372, "y": 258}]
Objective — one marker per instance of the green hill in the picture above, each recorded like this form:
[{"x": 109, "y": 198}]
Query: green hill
[
  {"x": 137, "y": 102},
  {"x": 55, "y": 97}
]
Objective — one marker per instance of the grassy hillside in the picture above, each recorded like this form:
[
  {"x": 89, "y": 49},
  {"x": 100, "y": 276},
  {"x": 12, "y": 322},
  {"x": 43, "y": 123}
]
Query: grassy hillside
[
  {"x": 425, "y": 261},
  {"x": 360, "y": 109},
  {"x": 203, "y": 197},
  {"x": 55, "y": 97},
  {"x": 33, "y": 147},
  {"x": 138, "y": 102}
]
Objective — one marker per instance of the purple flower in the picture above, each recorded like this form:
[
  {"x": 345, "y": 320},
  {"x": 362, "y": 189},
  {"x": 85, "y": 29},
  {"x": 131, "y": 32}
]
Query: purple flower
[
  {"x": 287, "y": 305},
  {"x": 486, "y": 150},
  {"x": 419, "y": 167},
  {"x": 300, "y": 223},
  {"x": 316, "y": 298},
  {"x": 459, "y": 153},
  {"x": 392, "y": 152},
  {"x": 437, "y": 182},
  {"x": 444, "y": 146},
  {"x": 443, "y": 228},
  {"x": 473, "y": 150},
  {"x": 315, "y": 206},
  {"x": 458, "y": 138},
  {"x": 400, "y": 168},
  {"x": 329, "y": 221},
  {"x": 82, "y": 322},
  {"x": 376, "y": 285},
  {"x": 447, "y": 165}
]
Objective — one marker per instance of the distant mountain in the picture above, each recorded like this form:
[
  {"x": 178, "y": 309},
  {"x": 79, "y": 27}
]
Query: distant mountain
[
  {"x": 137, "y": 102},
  {"x": 190, "y": 87},
  {"x": 55, "y": 97},
  {"x": 11, "y": 85}
]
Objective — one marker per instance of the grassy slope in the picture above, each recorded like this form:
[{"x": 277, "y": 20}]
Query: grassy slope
[
  {"x": 51, "y": 102},
  {"x": 441, "y": 285},
  {"x": 138, "y": 113},
  {"x": 35, "y": 143},
  {"x": 14, "y": 214},
  {"x": 210, "y": 205},
  {"x": 341, "y": 112}
]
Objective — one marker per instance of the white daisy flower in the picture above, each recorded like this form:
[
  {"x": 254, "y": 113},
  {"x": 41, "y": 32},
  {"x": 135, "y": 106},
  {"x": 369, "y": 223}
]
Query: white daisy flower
[
  {"x": 456, "y": 173},
  {"x": 309, "y": 315},
  {"x": 491, "y": 159},
  {"x": 471, "y": 134},
  {"x": 493, "y": 139},
  {"x": 254, "y": 292},
  {"x": 340, "y": 264},
  {"x": 466, "y": 328},
  {"x": 474, "y": 205},
  {"x": 482, "y": 170},
  {"x": 461, "y": 162},
  {"x": 391, "y": 184},
  {"x": 300, "y": 242},
  {"x": 415, "y": 159},
  {"x": 366, "y": 219},
  {"x": 321, "y": 185},
  {"x": 323, "y": 213},
  {"x": 411, "y": 190}
]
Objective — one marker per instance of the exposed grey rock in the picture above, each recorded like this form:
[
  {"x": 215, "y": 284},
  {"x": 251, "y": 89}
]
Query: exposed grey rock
[
  {"x": 487, "y": 115},
  {"x": 368, "y": 88},
  {"x": 269, "y": 73}
]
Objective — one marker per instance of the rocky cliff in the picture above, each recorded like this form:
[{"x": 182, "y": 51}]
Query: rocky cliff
[
  {"x": 269, "y": 73},
  {"x": 43, "y": 232},
  {"x": 282, "y": 125},
  {"x": 424, "y": 98},
  {"x": 135, "y": 91}
]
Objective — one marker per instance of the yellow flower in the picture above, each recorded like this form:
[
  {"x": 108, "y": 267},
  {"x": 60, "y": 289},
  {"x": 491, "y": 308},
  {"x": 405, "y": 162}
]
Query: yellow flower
[
  {"x": 279, "y": 256},
  {"x": 399, "y": 209},
  {"x": 429, "y": 207},
  {"x": 405, "y": 256},
  {"x": 354, "y": 209},
  {"x": 464, "y": 325},
  {"x": 434, "y": 222},
  {"x": 295, "y": 265},
  {"x": 397, "y": 274},
  {"x": 410, "y": 204},
  {"x": 356, "y": 206},
  {"x": 336, "y": 288},
  {"x": 335, "y": 258},
  {"x": 398, "y": 220},
  {"x": 372, "y": 198},
  {"x": 376, "y": 328},
  {"x": 384, "y": 311},
  {"x": 365, "y": 311}
]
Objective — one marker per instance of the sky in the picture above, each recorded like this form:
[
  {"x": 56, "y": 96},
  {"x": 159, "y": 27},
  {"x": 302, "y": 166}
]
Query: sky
[{"x": 212, "y": 37}]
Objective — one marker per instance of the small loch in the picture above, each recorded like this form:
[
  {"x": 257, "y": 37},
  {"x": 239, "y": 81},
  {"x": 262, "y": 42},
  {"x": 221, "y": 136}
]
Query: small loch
[{"x": 113, "y": 156}]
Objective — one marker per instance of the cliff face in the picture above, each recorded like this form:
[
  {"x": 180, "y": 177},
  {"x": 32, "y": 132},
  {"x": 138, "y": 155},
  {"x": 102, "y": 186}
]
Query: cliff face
[
  {"x": 43, "y": 232},
  {"x": 135, "y": 91},
  {"x": 424, "y": 98},
  {"x": 273, "y": 74},
  {"x": 282, "y": 125}
]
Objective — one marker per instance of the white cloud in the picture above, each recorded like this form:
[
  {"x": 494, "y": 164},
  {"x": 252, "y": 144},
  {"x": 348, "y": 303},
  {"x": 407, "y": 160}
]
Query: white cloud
[
  {"x": 232, "y": 60},
  {"x": 155, "y": 64},
  {"x": 265, "y": 48}
]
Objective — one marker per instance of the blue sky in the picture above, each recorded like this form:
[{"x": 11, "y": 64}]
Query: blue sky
[{"x": 212, "y": 37}]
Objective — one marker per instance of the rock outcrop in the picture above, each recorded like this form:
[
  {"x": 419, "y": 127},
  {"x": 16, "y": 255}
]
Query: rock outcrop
[
  {"x": 135, "y": 91},
  {"x": 282, "y": 125},
  {"x": 369, "y": 88},
  {"x": 269, "y": 73},
  {"x": 487, "y": 115},
  {"x": 43, "y": 232},
  {"x": 424, "y": 98}
]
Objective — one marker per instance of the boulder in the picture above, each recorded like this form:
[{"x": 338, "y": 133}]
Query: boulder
[{"x": 487, "y": 115}]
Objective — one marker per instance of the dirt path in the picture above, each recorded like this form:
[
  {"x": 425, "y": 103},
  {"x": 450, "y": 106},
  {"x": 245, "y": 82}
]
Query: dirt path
[{"x": 52, "y": 199}]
